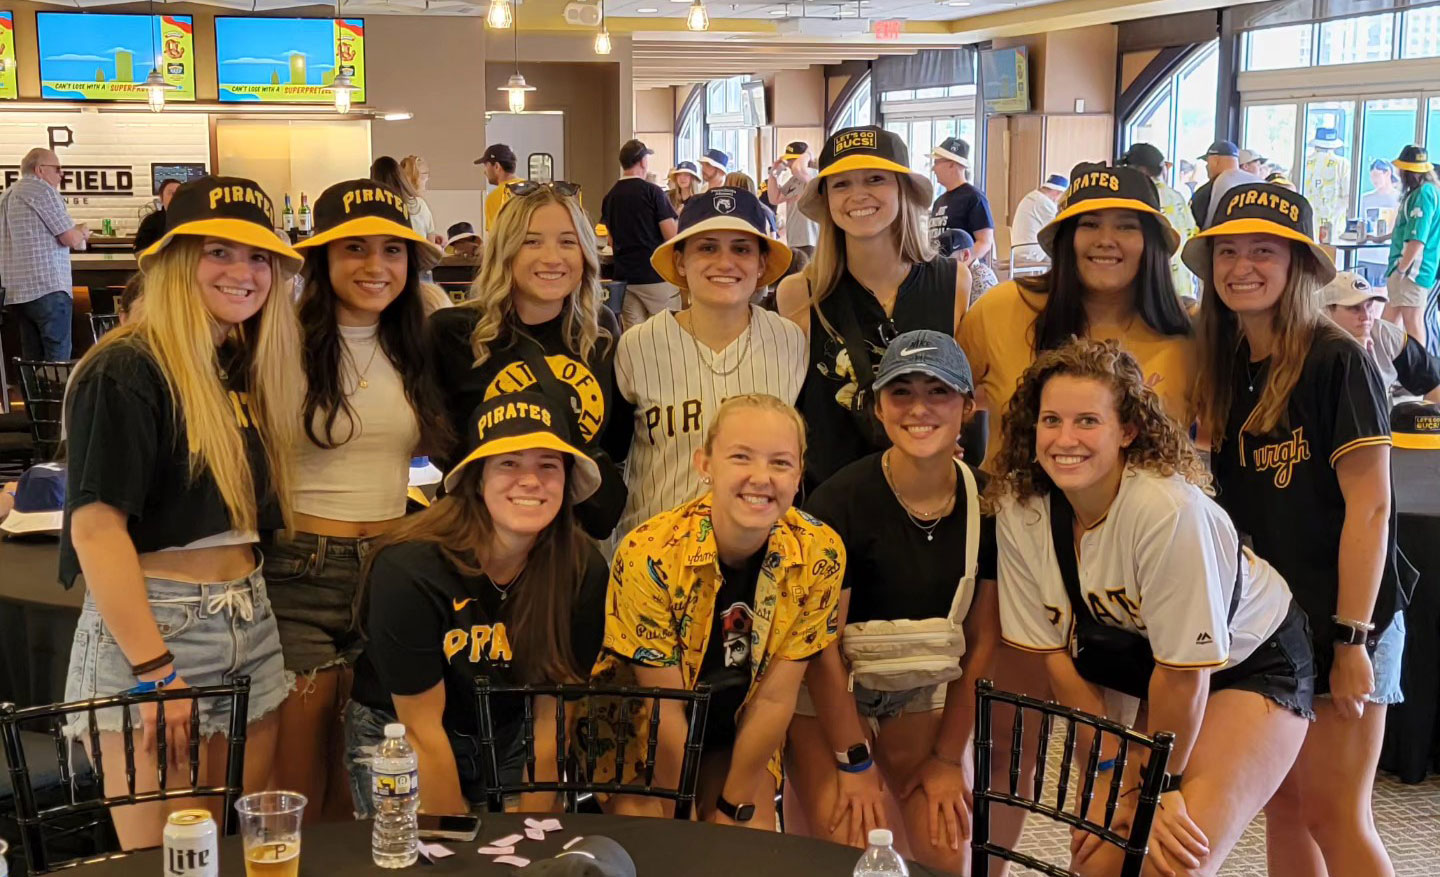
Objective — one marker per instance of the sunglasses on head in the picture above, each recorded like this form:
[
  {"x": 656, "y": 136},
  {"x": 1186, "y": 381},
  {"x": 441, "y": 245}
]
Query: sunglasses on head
[{"x": 561, "y": 187}]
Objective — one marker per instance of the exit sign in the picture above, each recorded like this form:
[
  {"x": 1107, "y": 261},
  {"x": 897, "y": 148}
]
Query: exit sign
[{"x": 888, "y": 29}]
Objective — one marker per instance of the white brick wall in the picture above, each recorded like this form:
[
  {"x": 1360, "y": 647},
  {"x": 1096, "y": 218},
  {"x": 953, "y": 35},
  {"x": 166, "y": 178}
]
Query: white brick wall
[{"x": 110, "y": 141}]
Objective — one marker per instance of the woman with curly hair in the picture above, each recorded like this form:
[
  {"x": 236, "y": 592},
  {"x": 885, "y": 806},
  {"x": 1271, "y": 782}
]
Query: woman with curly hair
[
  {"x": 533, "y": 321},
  {"x": 1102, "y": 504}
]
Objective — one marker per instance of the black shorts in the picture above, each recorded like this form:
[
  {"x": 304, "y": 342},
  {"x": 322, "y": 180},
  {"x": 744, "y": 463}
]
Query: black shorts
[{"x": 1282, "y": 669}]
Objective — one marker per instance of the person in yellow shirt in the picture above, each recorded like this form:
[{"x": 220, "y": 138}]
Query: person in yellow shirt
[
  {"x": 499, "y": 163},
  {"x": 736, "y": 589},
  {"x": 1327, "y": 180}
]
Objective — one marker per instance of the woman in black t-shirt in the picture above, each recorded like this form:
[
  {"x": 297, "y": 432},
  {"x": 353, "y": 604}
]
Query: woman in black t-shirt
[
  {"x": 178, "y": 423},
  {"x": 874, "y": 275},
  {"x": 536, "y": 299},
  {"x": 921, "y": 568},
  {"x": 495, "y": 579},
  {"x": 1300, "y": 439}
]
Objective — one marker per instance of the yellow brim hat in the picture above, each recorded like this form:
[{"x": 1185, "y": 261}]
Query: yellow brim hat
[
  {"x": 361, "y": 208},
  {"x": 1197, "y": 253},
  {"x": 529, "y": 420},
  {"x": 426, "y": 252},
  {"x": 238, "y": 230},
  {"x": 230, "y": 208},
  {"x": 1046, "y": 236},
  {"x": 812, "y": 200}
]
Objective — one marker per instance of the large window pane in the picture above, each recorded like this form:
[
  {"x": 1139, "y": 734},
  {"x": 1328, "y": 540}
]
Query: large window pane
[
  {"x": 1325, "y": 179},
  {"x": 1355, "y": 40},
  {"x": 1152, "y": 124},
  {"x": 1276, "y": 48},
  {"x": 1422, "y": 33},
  {"x": 920, "y": 144},
  {"x": 1387, "y": 126},
  {"x": 1194, "y": 91},
  {"x": 1270, "y": 131},
  {"x": 1432, "y": 126}
]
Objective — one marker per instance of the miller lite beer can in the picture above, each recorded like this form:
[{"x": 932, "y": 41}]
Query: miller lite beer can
[{"x": 190, "y": 850}]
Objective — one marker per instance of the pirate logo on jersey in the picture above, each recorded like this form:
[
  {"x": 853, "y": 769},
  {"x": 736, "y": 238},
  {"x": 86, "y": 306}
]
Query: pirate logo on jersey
[
  {"x": 736, "y": 624},
  {"x": 587, "y": 398}
]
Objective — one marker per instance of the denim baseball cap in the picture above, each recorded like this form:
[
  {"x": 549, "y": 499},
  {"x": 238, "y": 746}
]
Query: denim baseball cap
[{"x": 929, "y": 353}]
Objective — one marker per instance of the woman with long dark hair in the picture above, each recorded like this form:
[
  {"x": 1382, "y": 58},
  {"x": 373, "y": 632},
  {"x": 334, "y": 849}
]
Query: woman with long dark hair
[
  {"x": 495, "y": 579},
  {"x": 1415, "y": 243},
  {"x": 368, "y": 410}
]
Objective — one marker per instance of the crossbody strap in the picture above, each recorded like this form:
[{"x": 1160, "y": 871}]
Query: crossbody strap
[
  {"x": 1062, "y": 519},
  {"x": 972, "y": 538},
  {"x": 849, "y": 326},
  {"x": 533, "y": 356}
]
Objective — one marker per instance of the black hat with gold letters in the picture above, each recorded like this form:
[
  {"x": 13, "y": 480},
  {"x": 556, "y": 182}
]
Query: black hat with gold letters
[
  {"x": 528, "y": 420},
  {"x": 230, "y": 208},
  {"x": 868, "y": 147},
  {"x": 1415, "y": 425},
  {"x": 1095, "y": 187},
  {"x": 1260, "y": 208},
  {"x": 1414, "y": 159},
  {"x": 359, "y": 208}
]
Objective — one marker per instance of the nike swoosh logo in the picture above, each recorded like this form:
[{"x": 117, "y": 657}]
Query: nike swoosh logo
[
  {"x": 910, "y": 351},
  {"x": 461, "y": 604}
]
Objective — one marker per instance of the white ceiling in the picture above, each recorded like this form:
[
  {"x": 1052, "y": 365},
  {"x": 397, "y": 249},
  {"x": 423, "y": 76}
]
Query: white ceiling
[{"x": 910, "y": 10}]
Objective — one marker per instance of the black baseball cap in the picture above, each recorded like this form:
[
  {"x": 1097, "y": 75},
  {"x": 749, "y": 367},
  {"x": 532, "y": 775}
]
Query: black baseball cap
[
  {"x": 498, "y": 153},
  {"x": 632, "y": 152},
  {"x": 357, "y": 208},
  {"x": 795, "y": 149},
  {"x": 1260, "y": 208},
  {"x": 232, "y": 208},
  {"x": 1095, "y": 187},
  {"x": 1144, "y": 156},
  {"x": 1222, "y": 147},
  {"x": 524, "y": 421},
  {"x": 722, "y": 209},
  {"x": 954, "y": 149},
  {"x": 862, "y": 148}
]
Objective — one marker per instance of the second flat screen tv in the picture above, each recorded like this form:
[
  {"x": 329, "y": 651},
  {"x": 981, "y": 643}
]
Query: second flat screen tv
[
  {"x": 287, "y": 60},
  {"x": 105, "y": 57}
]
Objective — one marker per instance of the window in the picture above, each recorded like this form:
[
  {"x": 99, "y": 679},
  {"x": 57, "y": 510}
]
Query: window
[
  {"x": 688, "y": 141},
  {"x": 1432, "y": 125},
  {"x": 1387, "y": 126},
  {"x": 739, "y": 144},
  {"x": 1270, "y": 131},
  {"x": 1421, "y": 33},
  {"x": 722, "y": 96},
  {"x": 925, "y": 117},
  {"x": 1276, "y": 48},
  {"x": 1325, "y": 178},
  {"x": 857, "y": 109},
  {"x": 1357, "y": 40},
  {"x": 1178, "y": 116},
  {"x": 725, "y": 124}
]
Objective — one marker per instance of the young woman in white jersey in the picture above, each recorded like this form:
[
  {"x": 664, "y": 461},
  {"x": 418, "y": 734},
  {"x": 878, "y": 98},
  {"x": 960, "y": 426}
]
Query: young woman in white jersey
[
  {"x": 1102, "y": 502},
  {"x": 676, "y": 368}
]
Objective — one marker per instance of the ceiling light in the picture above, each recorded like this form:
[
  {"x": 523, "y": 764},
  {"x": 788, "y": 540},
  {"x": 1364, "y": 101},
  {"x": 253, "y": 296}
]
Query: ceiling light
[
  {"x": 500, "y": 15},
  {"x": 778, "y": 12},
  {"x": 155, "y": 87},
  {"x": 343, "y": 87},
  {"x": 697, "y": 18},
  {"x": 646, "y": 10},
  {"x": 957, "y": 3},
  {"x": 602, "y": 38},
  {"x": 398, "y": 116}
]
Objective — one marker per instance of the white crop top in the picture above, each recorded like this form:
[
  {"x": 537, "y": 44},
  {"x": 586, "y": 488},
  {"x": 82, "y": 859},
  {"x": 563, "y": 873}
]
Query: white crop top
[{"x": 365, "y": 478}]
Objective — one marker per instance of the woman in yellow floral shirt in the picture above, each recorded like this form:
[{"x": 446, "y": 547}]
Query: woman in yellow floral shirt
[{"x": 736, "y": 589}]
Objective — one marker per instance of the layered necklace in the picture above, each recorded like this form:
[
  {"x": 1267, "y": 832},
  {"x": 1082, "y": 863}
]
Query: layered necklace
[
  {"x": 709, "y": 361},
  {"x": 924, "y": 521}
]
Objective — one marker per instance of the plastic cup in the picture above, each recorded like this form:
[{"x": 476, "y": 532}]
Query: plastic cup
[{"x": 270, "y": 831}]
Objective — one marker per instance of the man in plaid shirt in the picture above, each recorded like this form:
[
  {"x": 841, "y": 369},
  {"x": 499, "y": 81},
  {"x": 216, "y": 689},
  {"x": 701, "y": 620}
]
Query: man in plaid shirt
[{"x": 36, "y": 237}]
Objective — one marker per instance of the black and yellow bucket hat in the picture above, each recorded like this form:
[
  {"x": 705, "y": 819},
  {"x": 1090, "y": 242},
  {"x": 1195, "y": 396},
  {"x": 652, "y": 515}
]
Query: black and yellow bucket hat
[
  {"x": 513, "y": 422},
  {"x": 1096, "y": 187},
  {"x": 1260, "y": 208},
  {"x": 1415, "y": 426},
  {"x": 1414, "y": 159},
  {"x": 723, "y": 209},
  {"x": 359, "y": 208},
  {"x": 232, "y": 208},
  {"x": 868, "y": 147}
]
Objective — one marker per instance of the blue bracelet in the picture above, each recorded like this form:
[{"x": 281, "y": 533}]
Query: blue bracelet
[
  {"x": 155, "y": 684},
  {"x": 857, "y": 768},
  {"x": 1105, "y": 765}
]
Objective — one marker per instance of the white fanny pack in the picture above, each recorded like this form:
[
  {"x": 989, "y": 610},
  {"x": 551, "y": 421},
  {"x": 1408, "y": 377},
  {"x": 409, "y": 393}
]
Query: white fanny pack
[{"x": 903, "y": 654}]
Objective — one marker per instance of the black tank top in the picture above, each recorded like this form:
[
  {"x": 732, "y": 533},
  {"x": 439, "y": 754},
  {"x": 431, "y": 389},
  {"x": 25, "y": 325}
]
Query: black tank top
[{"x": 842, "y": 428}]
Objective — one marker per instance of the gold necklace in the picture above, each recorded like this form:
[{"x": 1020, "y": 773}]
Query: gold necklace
[
  {"x": 917, "y": 517},
  {"x": 710, "y": 363},
  {"x": 364, "y": 383}
]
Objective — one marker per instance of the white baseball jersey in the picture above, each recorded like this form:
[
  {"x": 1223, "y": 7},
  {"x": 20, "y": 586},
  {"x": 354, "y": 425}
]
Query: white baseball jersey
[
  {"x": 1161, "y": 563},
  {"x": 659, "y": 368}
]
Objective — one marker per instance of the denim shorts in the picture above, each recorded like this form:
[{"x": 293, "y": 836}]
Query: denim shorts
[
  {"x": 365, "y": 731},
  {"x": 1281, "y": 669},
  {"x": 1385, "y": 659},
  {"x": 316, "y": 590},
  {"x": 216, "y": 631},
  {"x": 876, "y": 705}
]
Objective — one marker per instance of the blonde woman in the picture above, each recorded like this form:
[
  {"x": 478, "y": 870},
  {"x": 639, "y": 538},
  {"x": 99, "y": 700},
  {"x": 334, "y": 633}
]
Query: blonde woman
[
  {"x": 685, "y": 183},
  {"x": 875, "y": 276},
  {"x": 532, "y": 321},
  {"x": 743, "y": 181},
  {"x": 416, "y": 171},
  {"x": 203, "y": 385}
]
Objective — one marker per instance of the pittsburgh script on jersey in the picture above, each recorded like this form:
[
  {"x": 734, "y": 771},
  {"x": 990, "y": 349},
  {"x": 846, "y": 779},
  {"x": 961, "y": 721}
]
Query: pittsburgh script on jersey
[
  {"x": 486, "y": 642},
  {"x": 1282, "y": 457}
]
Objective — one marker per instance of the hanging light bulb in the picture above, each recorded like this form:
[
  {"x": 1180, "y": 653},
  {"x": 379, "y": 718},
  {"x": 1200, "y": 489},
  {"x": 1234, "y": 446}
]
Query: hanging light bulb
[
  {"x": 343, "y": 87},
  {"x": 155, "y": 87},
  {"x": 499, "y": 16},
  {"x": 698, "y": 18},
  {"x": 602, "y": 39},
  {"x": 516, "y": 89}
]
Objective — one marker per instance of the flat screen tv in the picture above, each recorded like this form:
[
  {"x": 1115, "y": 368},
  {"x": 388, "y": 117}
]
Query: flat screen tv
[
  {"x": 94, "y": 56},
  {"x": 1006, "y": 74},
  {"x": 8, "y": 67},
  {"x": 288, "y": 60}
]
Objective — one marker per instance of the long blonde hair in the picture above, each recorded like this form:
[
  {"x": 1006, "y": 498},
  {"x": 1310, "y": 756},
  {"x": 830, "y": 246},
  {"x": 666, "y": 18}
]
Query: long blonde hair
[
  {"x": 174, "y": 328},
  {"x": 492, "y": 292},
  {"x": 1296, "y": 322},
  {"x": 411, "y": 167}
]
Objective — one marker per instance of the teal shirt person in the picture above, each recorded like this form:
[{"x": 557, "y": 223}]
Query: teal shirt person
[{"x": 1418, "y": 219}]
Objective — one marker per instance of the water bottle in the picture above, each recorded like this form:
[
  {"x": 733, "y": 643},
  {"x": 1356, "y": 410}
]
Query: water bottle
[
  {"x": 880, "y": 859},
  {"x": 394, "y": 841}
]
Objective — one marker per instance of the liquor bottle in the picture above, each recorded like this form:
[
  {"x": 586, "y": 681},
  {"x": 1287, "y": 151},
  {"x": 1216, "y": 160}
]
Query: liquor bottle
[
  {"x": 305, "y": 226},
  {"x": 288, "y": 215}
]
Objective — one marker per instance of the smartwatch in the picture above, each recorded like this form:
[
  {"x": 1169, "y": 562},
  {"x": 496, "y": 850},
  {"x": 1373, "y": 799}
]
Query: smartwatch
[
  {"x": 854, "y": 756},
  {"x": 737, "y": 812},
  {"x": 1350, "y": 635}
]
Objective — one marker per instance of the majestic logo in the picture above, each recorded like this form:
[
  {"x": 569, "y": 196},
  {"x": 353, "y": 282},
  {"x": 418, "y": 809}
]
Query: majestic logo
[
  {"x": 1203, "y": 639},
  {"x": 724, "y": 203},
  {"x": 1282, "y": 457}
]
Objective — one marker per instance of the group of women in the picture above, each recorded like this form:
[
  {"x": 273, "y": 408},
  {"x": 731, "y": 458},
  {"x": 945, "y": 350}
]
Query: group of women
[{"x": 781, "y": 497}]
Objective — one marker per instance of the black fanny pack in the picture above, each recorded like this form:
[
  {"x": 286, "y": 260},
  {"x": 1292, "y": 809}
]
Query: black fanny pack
[{"x": 1116, "y": 658}]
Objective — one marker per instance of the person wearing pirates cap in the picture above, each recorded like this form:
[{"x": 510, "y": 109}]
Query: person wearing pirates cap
[
  {"x": 1109, "y": 247},
  {"x": 875, "y": 275},
  {"x": 1415, "y": 243},
  {"x": 676, "y": 368},
  {"x": 494, "y": 579},
  {"x": 369, "y": 406},
  {"x": 1299, "y": 420},
  {"x": 801, "y": 232},
  {"x": 961, "y": 205},
  {"x": 180, "y": 426},
  {"x": 685, "y": 183},
  {"x": 1405, "y": 367}
]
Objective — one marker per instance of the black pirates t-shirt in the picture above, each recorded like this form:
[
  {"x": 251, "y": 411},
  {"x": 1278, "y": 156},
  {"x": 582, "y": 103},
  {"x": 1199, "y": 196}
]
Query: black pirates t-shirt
[
  {"x": 726, "y": 666},
  {"x": 1281, "y": 489},
  {"x": 428, "y": 624}
]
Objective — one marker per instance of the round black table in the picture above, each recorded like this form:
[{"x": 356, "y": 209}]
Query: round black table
[{"x": 660, "y": 848}]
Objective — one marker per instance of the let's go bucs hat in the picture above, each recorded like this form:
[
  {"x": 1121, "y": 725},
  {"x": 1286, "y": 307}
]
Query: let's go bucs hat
[
  {"x": 1414, "y": 159},
  {"x": 360, "y": 208},
  {"x": 1259, "y": 208},
  {"x": 722, "y": 209},
  {"x": 513, "y": 422},
  {"x": 231, "y": 208},
  {"x": 1095, "y": 187},
  {"x": 864, "y": 148}
]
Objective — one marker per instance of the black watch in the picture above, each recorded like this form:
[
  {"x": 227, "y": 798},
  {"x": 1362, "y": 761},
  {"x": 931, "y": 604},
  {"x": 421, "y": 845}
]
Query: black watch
[
  {"x": 854, "y": 756},
  {"x": 736, "y": 812},
  {"x": 1171, "y": 783},
  {"x": 1346, "y": 635}
]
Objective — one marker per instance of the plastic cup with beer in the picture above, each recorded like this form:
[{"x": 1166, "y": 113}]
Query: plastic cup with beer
[{"x": 270, "y": 830}]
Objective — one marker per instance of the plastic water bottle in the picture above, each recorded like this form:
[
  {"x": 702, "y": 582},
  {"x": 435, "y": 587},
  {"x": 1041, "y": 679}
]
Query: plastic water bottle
[
  {"x": 395, "y": 783},
  {"x": 880, "y": 859}
]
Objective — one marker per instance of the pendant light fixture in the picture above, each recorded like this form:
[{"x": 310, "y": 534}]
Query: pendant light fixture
[
  {"x": 155, "y": 85},
  {"x": 341, "y": 86},
  {"x": 517, "y": 86},
  {"x": 698, "y": 18},
  {"x": 500, "y": 15},
  {"x": 602, "y": 39}
]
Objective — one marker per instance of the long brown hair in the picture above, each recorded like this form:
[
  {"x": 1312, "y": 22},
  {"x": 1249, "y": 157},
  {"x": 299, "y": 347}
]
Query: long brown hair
[
  {"x": 1161, "y": 445},
  {"x": 541, "y": 597}
]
